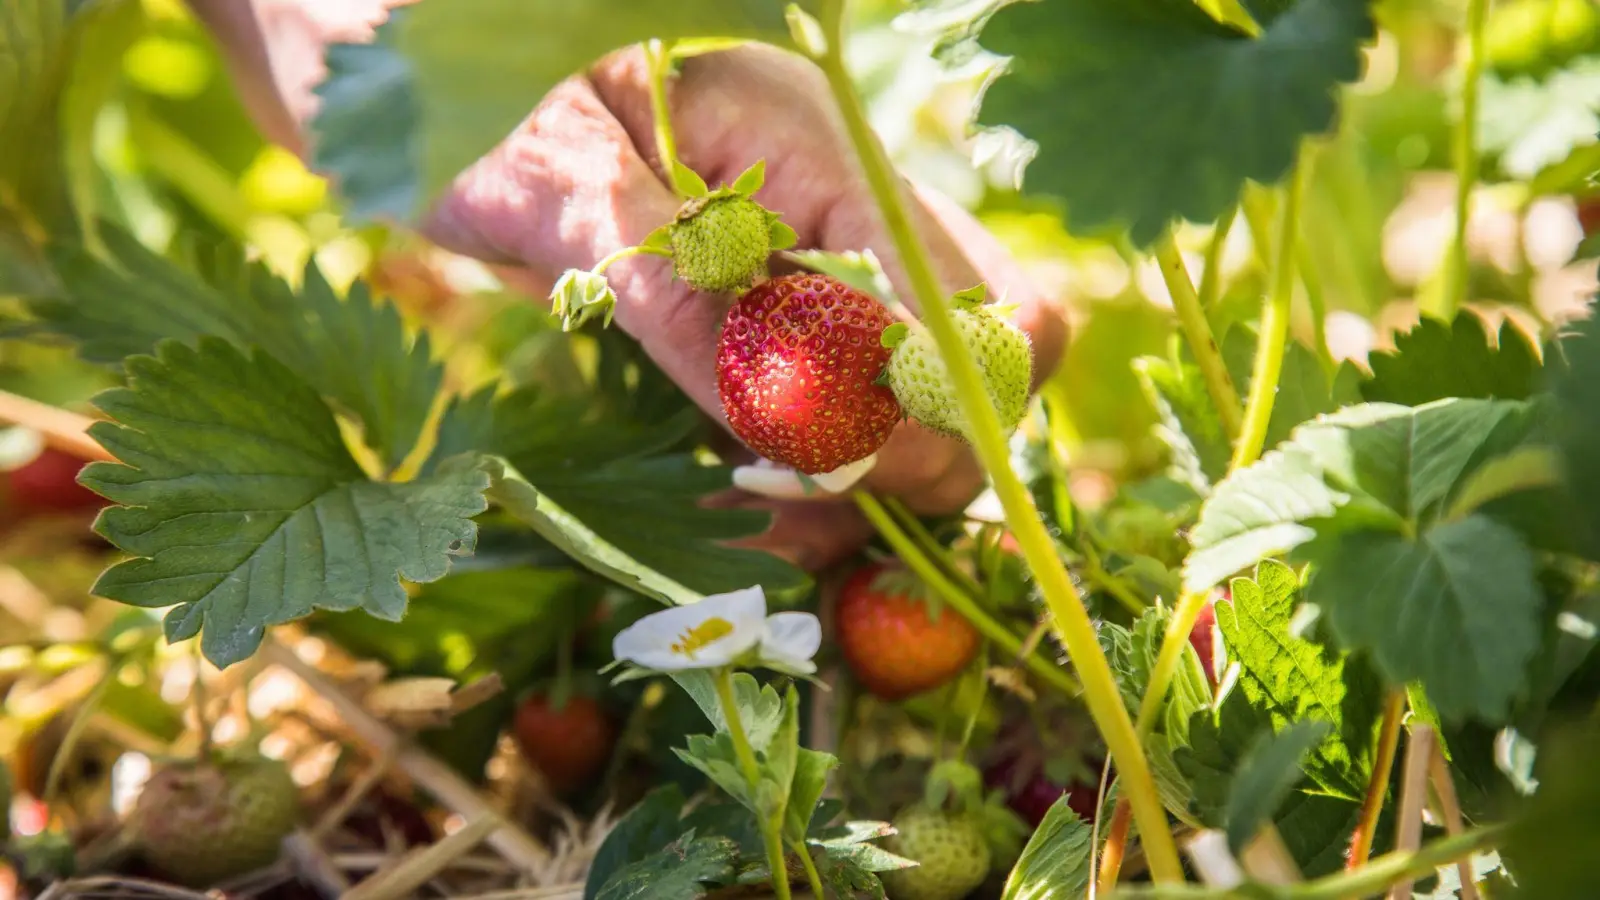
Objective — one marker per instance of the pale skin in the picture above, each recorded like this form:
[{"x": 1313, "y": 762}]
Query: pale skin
[{"x": 580, "y": 179}]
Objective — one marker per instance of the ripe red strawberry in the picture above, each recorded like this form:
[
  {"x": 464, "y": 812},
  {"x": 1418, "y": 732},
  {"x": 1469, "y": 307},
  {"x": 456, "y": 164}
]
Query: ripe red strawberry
[
  {"x": 569, "y": 744},
  {"x": 1589, "y": 215},
  {"x": 895, "y": 645},
  {"x": 1203, "y": 638},
  {"x": 49, "y": 484},
  {"x": 797, "y": 366}
]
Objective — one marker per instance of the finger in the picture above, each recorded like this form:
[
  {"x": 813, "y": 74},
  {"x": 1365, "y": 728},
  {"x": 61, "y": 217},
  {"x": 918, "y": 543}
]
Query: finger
[{"x": 811, "y": 536}]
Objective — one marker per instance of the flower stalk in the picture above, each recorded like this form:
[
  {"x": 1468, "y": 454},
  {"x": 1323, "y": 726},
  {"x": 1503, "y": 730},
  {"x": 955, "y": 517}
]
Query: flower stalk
[{"x": 722, "y": 678}]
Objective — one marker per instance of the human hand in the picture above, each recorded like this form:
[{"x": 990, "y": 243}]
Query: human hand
[{"x": 580, "y": 178}]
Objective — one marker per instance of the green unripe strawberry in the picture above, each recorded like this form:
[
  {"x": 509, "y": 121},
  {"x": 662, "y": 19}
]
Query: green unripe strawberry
[
  {"x": 721, "y": 244},
  {"x": 720, "y": 240},
  {"x": 951, "y": 850},
  {"x": 201, "y": 823},
  {"x": 921, "y": 381}
]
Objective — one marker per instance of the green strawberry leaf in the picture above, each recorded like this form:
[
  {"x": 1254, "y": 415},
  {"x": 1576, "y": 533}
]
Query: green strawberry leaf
[
  {"x": 1187, "y": 422},
  {"x": 1304, "y": 388},
  {"x": 1373, "y": 465},
  {"x": 679, "y": 871},
  {"x": 649, "y": 826},
  {"x": 1269, "y": 768},
  {"x": 715, "y": 757},
  {"x": 1576, "y": 389},
  {"x": 853, "y": 841},
  {"x": 1532, "y": 125},
  {"x": 244, "y": 509},
  {"x": 1294, "y": 680},
  {"x": 1172, "y": 112},
  {"x": 442, "y": 85},
  {"x": 1433, "y": 361},
  {"x": 609, "y": 500},
  {"x": 1055, "y": 861},
  {"x": 1455, "y": 607},
  {"x": 805, "y": 791},
  {"x": 1218, "y": 739},
  {"x": 1316, "y": 828},
  {"x": 354, "y": 352},
  {"x": 760, "y": 707},
  {"x": 847, "y": 878}
]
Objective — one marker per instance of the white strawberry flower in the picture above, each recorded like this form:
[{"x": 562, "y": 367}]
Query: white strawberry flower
[{"x": 721, "y": 630}]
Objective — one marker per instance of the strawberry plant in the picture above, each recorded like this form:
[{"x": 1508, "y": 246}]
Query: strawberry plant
[{"x": 650, "y": 439}]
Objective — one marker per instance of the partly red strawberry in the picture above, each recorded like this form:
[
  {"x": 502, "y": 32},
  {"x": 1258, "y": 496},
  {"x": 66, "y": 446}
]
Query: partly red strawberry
[
  {"x": 568, "y": 743},
  {"x": 894, "y": 643},
  {"x": 797, "y": 366},
  {"x": 1203, "y": 637},
  {"x": 1589, "y": 215},
  {"x": 49, "y": 484}
]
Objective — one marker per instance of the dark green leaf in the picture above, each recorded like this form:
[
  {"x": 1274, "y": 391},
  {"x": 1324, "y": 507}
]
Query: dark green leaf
[
  {"x": 1267, "y": 770},
  {"x": 1553, "y": 838},
  {"x": 848, "y": 879},
  {"x": 1171, "y": 111},
  {"x": 244, "y": 508},
  {"x": 611, "y": 504},
  {"x": 1576, "y": 387},
  {"x": 1294, "y": 680},
  {"x": 353, "y": 351},
  {"x": 716, "y": 758},
  {"x": 650, "y": 826},
  {"x": 1316, "y": 828},
  {"x": 1217, "y": 741},
  {"x": 680, "y": 871},
  {"x": 1055, "y": 862},
  {"x": 1187, "y": 420},
  {"x": 1456, "y": 608},
  {"x": 441, "y": 85},
  {"x": 1431, "y": 362}
]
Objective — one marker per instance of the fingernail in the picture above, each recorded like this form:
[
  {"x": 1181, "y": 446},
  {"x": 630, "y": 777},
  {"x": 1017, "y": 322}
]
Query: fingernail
[
  {"x": 843, "y": 478},
  {"x": 781, "y": 483}
]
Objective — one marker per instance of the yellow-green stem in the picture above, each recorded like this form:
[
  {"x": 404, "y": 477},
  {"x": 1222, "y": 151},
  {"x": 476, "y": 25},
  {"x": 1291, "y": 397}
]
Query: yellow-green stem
[
  {"x": 1370, "y": 881},
  {"x": 723, "y": 680},
  {"x": 1378, "y": 783},
  {"x": 617, "y": 256},
  {"x": 1317, "y": 300},
  {"x": 813, "y": 877},
  {"x": 935, "y": 552},
  {"x": 965, "y": 604},
  {"x": 1274, "y": 328},
  {"x": 1211, "y": 276},
  {"x": 1466, "y": 161},
  {"x": 660, "y": 56},
  {"x": 1197, "y": 332},
  {"x": 1066, "y": 608}
]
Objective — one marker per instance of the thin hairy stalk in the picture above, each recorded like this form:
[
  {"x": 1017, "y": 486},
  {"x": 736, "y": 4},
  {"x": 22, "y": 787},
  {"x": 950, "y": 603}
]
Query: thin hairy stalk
[
  {"x": 723, "y": 680},
  {"x": 1274, "y": 327},
  {"x": 1378, "y": 783},
  {"x": 1197, "y": 333},
  {"x": 965, "y": 604},
  {"x": 1072, "y": 621},
  {"x": 660, "y": 57}
]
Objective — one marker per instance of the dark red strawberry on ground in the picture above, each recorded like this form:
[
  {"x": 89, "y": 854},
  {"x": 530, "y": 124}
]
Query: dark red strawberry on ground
[
  {"x": 569, "y": 743},
  {"x": 797, "y": 365},
  {"x": 49, "y": 484},
  {"x": 895, "y": 643},
  {"x": 1030, "y": 792}
]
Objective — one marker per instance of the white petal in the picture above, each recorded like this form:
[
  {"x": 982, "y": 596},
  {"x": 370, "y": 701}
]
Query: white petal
[
  {"x": 793, "y": 638},
  {"x": 841, "y": 479},
  {"x": 649, "y": 641}
]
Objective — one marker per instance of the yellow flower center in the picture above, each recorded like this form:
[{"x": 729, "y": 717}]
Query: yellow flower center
[{"x": 696, "y": 638}]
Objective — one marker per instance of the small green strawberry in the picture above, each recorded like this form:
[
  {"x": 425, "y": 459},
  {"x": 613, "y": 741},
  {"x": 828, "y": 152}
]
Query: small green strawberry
[
  {"x": 921, "y": 381},
  {"x": 950, "y": 848},
  {"x": 199, "y": 823},
  {"x": 720, "y": 240}
]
